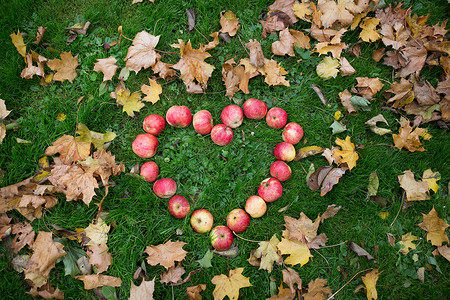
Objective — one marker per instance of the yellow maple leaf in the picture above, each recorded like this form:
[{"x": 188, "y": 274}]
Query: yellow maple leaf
[
  {"x": 299, "y": 251},
  {"x": 17, "y": 40},
  {"x": 431, "y": 179},
  {"x": 369, "y": 32},
  {"x": 407, "y": 138},
  {"x": 64, "y": 67},
  {"x": 415, "y": 190},
  {"x": 165, "y": 254},
  {"x": 328, "y": 68},
  {"x": 274, "y": 73},
  {"x": 370, "y": 281},
  {"x": 131, "y": 102},
  {"x": 347, "y": 154},
  {"x": 152, "y": 91},
  {"x": 303, "y": 10},
  {"x": 407, "y": 243},
  {"x": 317, "y": 290},
  {"x": 435, "y": 227},
  {"x": 301, "y": 40},
  {"x": 96, "y": 138},
  {"x": 230, "y": 285},
  {"x": 268, "y": 252}
]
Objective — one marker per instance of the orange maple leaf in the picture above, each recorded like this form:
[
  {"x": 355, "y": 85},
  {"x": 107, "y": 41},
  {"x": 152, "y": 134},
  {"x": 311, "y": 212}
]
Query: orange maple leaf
[
  {"x": 230, "y": 285},
  {"x": 347, "y": 154},
  {"x": 407, "y": 138},
  {"x": 64, "y": 67},
  {"x": 229, "y": 23},
  {"x": 69, "y": 149},
  {"x": 435, "y": 228},
  {"x": 165, "y": 254}
]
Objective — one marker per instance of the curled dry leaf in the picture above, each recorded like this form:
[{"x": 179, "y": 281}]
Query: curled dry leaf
[
  {"x": 319, "y": 93},
  {"x": 256, "y": 55},
  {"x": 69, "y": 149},
  {"x": 370, "y": 281},
  {"x": 164, "y": 70},
  {"x": 39, "y": 34},
  {"x": 431, "y": 179},
  {"x": 274, "y": 73},
  {"x": 275, "y": 20},
  {"x": 99, "y": 257},
  {"x": 308, "y": 151},
  {"x": 17, "y": 40},
  {"x": 331, "y": 179},
  {"x": 191, "y": 18},
  {"x": 346, "y": 68},
  {"x": 316, "y": 178},
  {"x": 98, "y": 280},
  {"x": 24, "y": 236},
  {"x": 235, "y": 78},
  {"x": 32, "y": 70},
  {"x": 47, "y": 292},
  {"x": 361, "y": 252},
  {"x": 230, "y": 253},
  {"x": 5, "y": 227},
  {"x": 345, "y": 97},
  {"x": 193, "y": 292},
  {"x": 373, "y": 125}
]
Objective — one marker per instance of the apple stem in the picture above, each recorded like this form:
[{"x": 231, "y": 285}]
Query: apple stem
[{"x": 245, "y": 238}]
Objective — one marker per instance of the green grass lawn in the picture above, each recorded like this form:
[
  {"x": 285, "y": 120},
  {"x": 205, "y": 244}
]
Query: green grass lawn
[{"x": 212, "y": 177}]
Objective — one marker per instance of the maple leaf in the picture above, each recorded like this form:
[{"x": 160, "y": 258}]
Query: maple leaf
[
  {"x": 98, "y": 280},
  {"x": 193, "y": 292},
  {"x": 369, "y": 32},
  {"x": 403, "y": 93},
  {"x": 173, "y": 275},
  {"x": 286, "y": 6},
  {"x": 370, "y": 281},
  {"x": 165, "y": 254},
  {"x": 164, "y": 69},
  {"x": 131, "y": 102},
  {"x": 444, "y": 251},
  {"x": 407, "y": 138},
  {"x": 302, "y": 230},
  {"x": 24, "y": 236},
  {"x": 46, "y": 291},
  {"x": 347, "y": 154},
  {"x": 97, "y": 232},
  {"x": 64, "y": 67},
  {"x": 291, "y": 278},
  {"x": 345, "y": 100},
  {"x": 143, "y": 291},
  {"x": 99, "y": 257},
  {"x": 107, "y": 66},
  {"x": 398, "y": 39},
  {"x": 274, "y": 73},
  {"x": 235, "y": 78},
  {"x": 96, "y": 138},
  {"x": 435, "y": 228},
  {"x": 141, "y": 53},
  {"x": 229, "y": 23},
  {"x": 431, "y": 179},
  {"x": 346, "y": 68},
  {"x": 301, "y": 40},
  {"x": 152, "y": 91},
  {"x": 31, "y": 70},
  {"x": 43, "y": 259},
  {"x": 5, "y": 227},
  {"x": 303, "y": 10},
  {"x": 407, "y": 244},
  {"x": 317, "y": 290},
  {"x": 39, "y": 34},
  {"x": 257, "y": 58},
  {"x": 283, "y": 294},
  {"x": 17, "y": 40},
  {"x": 333, "y": 12},
  {"x": 268, "y": 253},
  {"x": 285, "y": 45},
  {"x": 328, "y": 68},
  {"x": 368, "y": 87},
  {"x": 69, "y": 149},
  {"x": 416, "y": 57},
  {"x": 193, "y": 67},
  {"x": 415, "y": 190},
  {"x": 212, "y": 44},
  {"x": 230, "y": 285},
  {"x": 299, "y": 251},
  {"x": 425, "y": 94}
]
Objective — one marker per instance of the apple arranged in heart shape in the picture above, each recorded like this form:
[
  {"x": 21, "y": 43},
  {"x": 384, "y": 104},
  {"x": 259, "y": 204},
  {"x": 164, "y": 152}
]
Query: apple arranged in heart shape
[{"x": 238, "y": 220}]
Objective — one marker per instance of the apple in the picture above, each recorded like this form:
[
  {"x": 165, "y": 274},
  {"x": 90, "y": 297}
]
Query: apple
[
  {"x": 221, "y": 238},
  {"x": 238, "y": 220},
  {"x": 150, "y": 171},
  {"x": 202, "y": 220},
  {"x": 145, "y": 145},
  {"x": 202, "y": 122},
  {"x": 165, "y": 187},
  {"x": 154, "y": 124},
  {"x": 284, "y": 151},
  {"x": 221, "y": 134},
  {"x": 276, "y": 117},
  {"x": 255, "y": 109},
  {"x": 179, "y": 206},
  {"x": 179, "y": 116},
  {"x": 232, "y": 116},
  {"x": 292, "y": 133},
  {"x": 255, "y": 206},
  {"x": 270, "y": 189},
  {"x": 280, "y": 170}
]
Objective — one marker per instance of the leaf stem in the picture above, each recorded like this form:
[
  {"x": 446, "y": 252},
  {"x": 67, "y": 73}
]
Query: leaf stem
[{"x": 348, "y": 283}]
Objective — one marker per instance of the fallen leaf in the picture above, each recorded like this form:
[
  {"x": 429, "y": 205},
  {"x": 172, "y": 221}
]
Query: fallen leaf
[
  {"x": 285, "y": 45},
  {"x": 79, "y": 28},
  {"x": 164, "y": 69},
  {"x": 361, "y": 252},
  {"x": 205, "y": 262},
  {"x": 99, "y": 257},
  {"x": 39, "y": 34},
  {"x": 97, "y": 139},
  {"x": 107, "y": 66},
  {"x": 373, "y": 125},
  {"x": 301, "y": 40},
  {"x": 328, "y": 68},
  {"x": 274, "y": 73},
  {"x": 32, "y": 70},
  {"x": 415, "y": 190},
  {"x": 319, "y": 93},
  {"x": 283, "y": 294},
  {"x": 431, "y": 179},
  {"x": 338, "y": 127},
  {"x": 64, "y": 67},
  {"x": 24, "y": 236},
  {"x": 141, "y": 53},
  {"x": 165, "y": 254},
  {"x": 131, "y": 102},
  {"x": 173, "y": 275},
  {"x": 347, "y": 154},
  {"x": 368, "y": 87},
  {"x": 193, "y": 292},
  {"x": 229, "y": 285},
  {"x": 97, "y": 232},
  {"x": 435, "y": 228},
  {"x": 229, "y": 23},
  {"x": 317, "y": 177},
  {"x": 98, "y": 280},
  {"x": 421, "y": 274},
  {"x": 152, "y": 91},
  {"x": 5, "y": 227},
  {"x": 444, "y": 251},
  {"x": 230, "y": 253},
  {"x": 212, "y": 44},
  {"x": 46, "y": 291},
  {"x": 407, "y": 244},
  {"x": 256, "y": 55},
  {"x": 331, "y": 179},
  {"x": 303, "y": 10},
  {"x": 370, "y": 281},
  {"x": 308, "y": 151},
  {"x": 317, "y": 290},
  {"x": 369, "y": 32},
  {"x": 298, "y": 252},
  {"x": 275, "y": 20},
  {"x": 191, "y": 18},
  {"x": 407, "y": 138},
  {"x": 345, "y": 97},
  {"x": 391, "y": 239},
  {"x": 235, "y": 78},
  {"x": 143, "y": 291},
  {"x": 336, "y": 12},
  {"x": 291, "y": 278},
  {"x": 346, "y": 68},
  {"x": 378, "y": 54},
  {"x": 17, "y": 40},
  {"x": 285, "y": 6},
  {"x": 374, "y": 182},
  {"x": 268, "y": 253},
  {"x": 416, "y": 57}
]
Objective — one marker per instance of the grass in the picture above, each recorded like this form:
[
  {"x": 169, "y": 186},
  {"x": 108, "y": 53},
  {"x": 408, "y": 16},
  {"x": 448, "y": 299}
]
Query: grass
[{"x": 212, "y": 177}]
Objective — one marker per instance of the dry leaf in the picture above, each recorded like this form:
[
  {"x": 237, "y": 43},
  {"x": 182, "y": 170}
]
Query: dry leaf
[
  {"x": 435, "y": 228},
  {"x": 193, "y": 292},
  {"x": 229, "y": 23},
  {"x": 328, "y": 68},
  {"x": 407, "y": 244},
  {"x": 17, "y": 40},
  {"x": 164, "y": 69},
  {"x": 415, "y": 190},
  {"x": 235, "y": 78},
  {"x": 285, "y": 6},
  {"x": 308, "y": 151},
  {"x": 152, "y": 91},
  {"x": 107, "y": 66},
  {"x": 336, "y": 12},
  {"x": 347, "y": 154},
  {"x": 274, "y": 21},
  {"x": 191, "y": 18},
  {"x": 5, "y": 227},
  {"x": 165, "y": 254},
  {"x": 99, "y": 257},
  {"x": 212, "y": 44},
  {"x": 301, "y": 40},
  {"x": 345, "y": 100},
  {"x": 416, "y": 57},
  {"x": 298, "y": 252},
  {"x": 39, "y": 34},
  {"x": 373, "y": 125},
  {"x": 24, "y": 236},
  {"x": 98, "y": 280},
  {"x": 143, "y": 291},
  {"x": 444, "y": 251},
  {"x": 97, "y": 232},
  {"x": 370, "y": 281},
  {"x": 69, "y": 149},
  {"x": 391, "y": 239},
  {"x": 360, "y": 251},
  {"x": 131, "y": 102},
  {"x": 402, "y": 91},
  {"x": 303, "y": 10},
  {"x": 331, "y": 179},
  {"x": 285, "y": 45},
  {"x": 291, "y": 278},
  {"x": 274, "y": 73},
  {"x": 368, "y": 87},
  {"x": 229, "y": 285},
  {"x": 283, "y": 294},
  {"x": 141, "y": 53},
  {"x": 256, "y": 55},
  {"x": 301, "y": 230},
  {"x": 31, "y": 70},
  {"x": 317, "y": 177},
  {"x": 47, "y": 292},
  {"x": 64, "y": 67},
  {"x": 369, "y": 32},
  {"x": 431, "y": 179},
  {"x": 407, "y": 138},
  {"x": 317, "y": 290},
  {"x": 173, "y": 275},
  {"x": 268, "y": 253}
]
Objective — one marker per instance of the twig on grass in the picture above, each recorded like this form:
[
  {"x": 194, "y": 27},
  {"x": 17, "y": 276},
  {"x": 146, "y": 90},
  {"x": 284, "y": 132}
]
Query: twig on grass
[
  {"x": 198, "y": 32},
  {"x": 348, "y": 283},
  {"x": 243, "y": 45},
  {"x": 323, "y": 257},
  {"x": 332, "y": 245},
  {"x": 400, "y": 208},
  {"x": 245, "y": 238}
]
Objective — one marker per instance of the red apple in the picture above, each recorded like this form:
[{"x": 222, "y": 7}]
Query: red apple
[
  {"x": 284, "y": 151},
  {"x": 292, "y": 133},
  {"x": 179, "y": 116},
  {"x": 238, "y": 220},
  {"x": 154, "y": 124},
  {"x": 145, "y": 145},
  {"x": 221, "y": 238},
  {"x": 255, "y": 109},
  {"x": 270, "y": 189},
  {"x": 280, "y": 170},
  {"x": 179, "y": 206},
  {"x": 165, "y": 187},
  {"x": 221, "y": 135},
  {"x": 232, "y": 116},
  {"x": 255, "y": 206},
  {"x": 202, "y": 122},
  {"x": 276, "y": 117},
  {"x": 202, "y": 220},
  {"x": 150, "y": 171}
]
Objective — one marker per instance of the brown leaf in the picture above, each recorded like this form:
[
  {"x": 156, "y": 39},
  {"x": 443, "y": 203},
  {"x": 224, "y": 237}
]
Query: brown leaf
[
  {"x": 31, "y": 70},
  {"x": 331, "y": 179},
  {"x": 415, "y": 190},
  {"x": 345, "y": 100},
  {"x": 285, "y": 6},
  {"x": 235, "y": 78},
  {"x": 378, "y": 54},
  {"x": 330, "y": 212},
  {"x": 39, "y": 34},
  {"x": 79, "y": 28},
  {"x": 316, "y": 178},
  {"x": 24, "y": 236},
  {"x": 346, "y": 68},
  {"x": 64, "y": 67},
  {"x": 143, "y": 291},
  {"x": 398, "y": 39},
  {"x": 275, "y": 20},
  {"x": 444, "y": 251},
  {"x": 368, "y": 87},
  {"x": 230, "y": 285},
  {"x": 361, "y": 252},
  {"x": 46, "y": 292},
  {"x": 425, "y": 94},
  {"x": 193, "y": 292},
  {"x": 229, "y": 23},
  {"x": 285, "y": 45},
  {"x": 335, "y": 12},
  {"x": 165, "y": 254},
  {"x": 191, "y": 18},
  {"x": 98, "y": 280},
  {"x": 107, "y": 66},
  {"x": 416, "y": 57},
  {"x": 391, "y": 239},
  {"x": 141, "y": 53},
  {"x": 17, "y": 40},
  {"x": 5, "y": 227},
  {"x": 173, "y": 275},
  {"x": 407, "y": 138},
  {"x": 164, "y": 69},
  {"x": 257, "y": 58},
  {"x": 435, "y": 228},
  {"x": 274, "y": 73},
  {"x": 99, "y": 257},
  {"x": 69, "y": 149},
  {"x": 301, "y": 40},
  {"x": 291, "y": 278},
  {"x": 43, "y": 259},
  {"x": 302, "y": 229},
  {"x": 317, "y": 290},
  {"x": 283, "y": 294}
]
